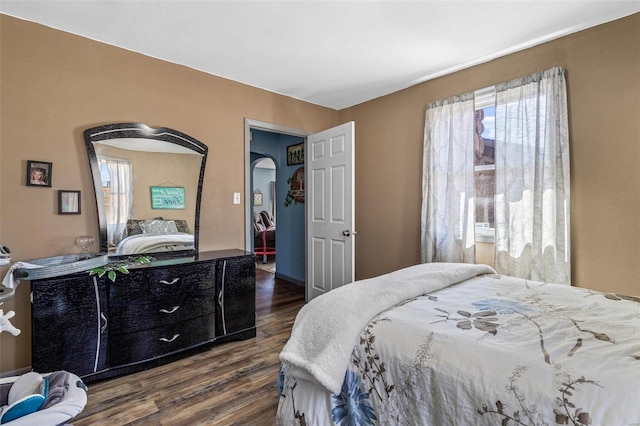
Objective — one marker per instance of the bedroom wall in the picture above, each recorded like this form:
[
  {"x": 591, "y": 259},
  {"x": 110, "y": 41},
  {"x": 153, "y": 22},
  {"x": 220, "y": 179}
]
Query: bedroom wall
[
  {"x": 603, "y": 77},
  {"x": 54, "y": 85},
  {"x": 262, "y": 179}
]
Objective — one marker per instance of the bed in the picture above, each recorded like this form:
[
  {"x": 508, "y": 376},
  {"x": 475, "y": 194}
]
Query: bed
[
  {"x": 155, "y": 235},
  {"x": 456, "y": 344}
]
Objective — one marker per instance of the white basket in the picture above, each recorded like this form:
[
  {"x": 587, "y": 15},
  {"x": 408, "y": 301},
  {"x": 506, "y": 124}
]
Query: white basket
[{"x": 59, "y": 265}]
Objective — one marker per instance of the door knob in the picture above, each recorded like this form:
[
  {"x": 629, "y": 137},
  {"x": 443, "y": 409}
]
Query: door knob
[{"x": 348, "y": 233}]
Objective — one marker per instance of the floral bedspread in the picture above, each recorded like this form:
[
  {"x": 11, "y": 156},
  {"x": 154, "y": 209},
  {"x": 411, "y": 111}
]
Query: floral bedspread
[{"x": 492, "y": 350}]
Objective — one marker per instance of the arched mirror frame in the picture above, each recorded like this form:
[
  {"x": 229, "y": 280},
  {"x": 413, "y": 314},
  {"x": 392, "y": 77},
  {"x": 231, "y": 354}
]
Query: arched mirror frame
[{"x": 140, "y": 131}]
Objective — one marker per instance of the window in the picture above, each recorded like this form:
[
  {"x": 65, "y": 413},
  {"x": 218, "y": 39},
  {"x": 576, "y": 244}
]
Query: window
[
  {"x": 106, "y": 184},
  {"x": 484, "y": 141}
]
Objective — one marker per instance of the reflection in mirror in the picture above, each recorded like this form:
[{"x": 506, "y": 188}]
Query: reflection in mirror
[{"x": 148, "y": 184}]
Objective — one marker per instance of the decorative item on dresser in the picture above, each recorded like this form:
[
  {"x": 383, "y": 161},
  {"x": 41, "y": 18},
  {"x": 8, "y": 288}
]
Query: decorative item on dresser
[{"x": 157, "y": 313}]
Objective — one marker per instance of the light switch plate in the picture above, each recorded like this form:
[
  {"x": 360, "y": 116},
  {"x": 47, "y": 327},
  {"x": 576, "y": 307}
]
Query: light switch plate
[{"x": 236, "y": 198}]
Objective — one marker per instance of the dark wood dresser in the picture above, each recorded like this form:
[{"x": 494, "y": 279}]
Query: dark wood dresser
[{"x": 157, "y": 313}]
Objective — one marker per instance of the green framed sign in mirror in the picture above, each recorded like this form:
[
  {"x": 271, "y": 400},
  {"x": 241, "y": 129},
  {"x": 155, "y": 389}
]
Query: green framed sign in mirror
[{"x": 164, "y": 197}]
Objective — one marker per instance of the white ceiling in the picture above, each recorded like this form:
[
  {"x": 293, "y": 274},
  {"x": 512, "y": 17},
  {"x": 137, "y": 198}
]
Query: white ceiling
[{"x": 331, "y": 53}]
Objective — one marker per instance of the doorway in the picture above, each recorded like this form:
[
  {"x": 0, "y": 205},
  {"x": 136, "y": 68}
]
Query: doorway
[
  {"x": 316, "y": 229},
  {"x": 264, "y": 212},
  {"x": 271, "y": 141}
]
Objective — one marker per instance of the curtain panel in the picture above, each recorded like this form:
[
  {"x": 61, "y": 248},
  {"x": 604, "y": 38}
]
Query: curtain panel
[
  {"x": 532, "y": 195},
  {"x": 532, "y": 207},
  {"x": 119, "y": 206},
  {"x": 448, "y": 181}
]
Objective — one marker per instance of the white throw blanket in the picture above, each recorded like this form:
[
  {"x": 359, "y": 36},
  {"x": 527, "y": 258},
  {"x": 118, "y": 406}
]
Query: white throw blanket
[
  {"x": 326, "y": 328},
  {"x": 145, "y": 243}
]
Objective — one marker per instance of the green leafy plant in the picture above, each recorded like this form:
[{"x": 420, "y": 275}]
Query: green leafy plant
[
  {"x": 122, "y": 266},
  {"x": 289, "y": 198}
]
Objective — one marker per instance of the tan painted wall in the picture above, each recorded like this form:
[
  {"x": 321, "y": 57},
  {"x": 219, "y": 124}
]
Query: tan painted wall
[
  {"x": 603, "y": 78},
  {"x": 160, "y": 169},
  {"x": 54, "y": 85}
]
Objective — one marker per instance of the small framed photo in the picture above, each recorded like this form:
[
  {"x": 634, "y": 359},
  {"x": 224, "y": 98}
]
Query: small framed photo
[
  {"x": 295, "y": 154},
  {"x": 257, "y": 198},
  {"x": 39, "y": 173},
  {"x": 68, "y": 202}
]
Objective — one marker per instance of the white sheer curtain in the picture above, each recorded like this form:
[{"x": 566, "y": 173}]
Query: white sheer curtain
[
  {"x": 448, "y": 181},
  {"x": 532, "y": 178},
  {"x": 119, "y": 202}
]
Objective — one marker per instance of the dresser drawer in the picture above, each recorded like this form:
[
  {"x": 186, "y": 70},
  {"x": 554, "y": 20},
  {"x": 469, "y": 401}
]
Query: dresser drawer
[
  {"x": 145, "y": 313},
  {"x": 147, "y": 344},
  {"x": 160, "y": 283}
]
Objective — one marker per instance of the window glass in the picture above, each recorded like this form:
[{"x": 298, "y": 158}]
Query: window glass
[{"x": 484, "y": 150}]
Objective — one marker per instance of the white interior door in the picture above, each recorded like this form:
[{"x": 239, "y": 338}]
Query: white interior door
[{"x": 330, "y": 209}]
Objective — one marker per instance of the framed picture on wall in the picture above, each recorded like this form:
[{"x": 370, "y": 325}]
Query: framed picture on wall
[
  {"x": 257, "y": 198},
  {"x": 295, "y": 154},
  {"x": 68, "y": 202},
  {"x": 39, "y": 173}
]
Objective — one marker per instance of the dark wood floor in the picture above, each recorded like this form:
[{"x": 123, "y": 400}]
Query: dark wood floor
[{"x": 229, "y": 384}]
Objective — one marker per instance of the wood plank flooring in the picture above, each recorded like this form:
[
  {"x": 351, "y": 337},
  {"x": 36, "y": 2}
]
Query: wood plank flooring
[{"x": 230, "y": 384}]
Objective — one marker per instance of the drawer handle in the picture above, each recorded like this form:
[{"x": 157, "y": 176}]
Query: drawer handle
[
  {"x": 170, "y": 311},
  {"x": 104, "y": 327},
  {"x": 175, "y": 280},
  {"x": 164, "y": 339}
]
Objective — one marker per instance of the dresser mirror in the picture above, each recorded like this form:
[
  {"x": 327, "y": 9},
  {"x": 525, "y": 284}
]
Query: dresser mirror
[{"x": 148, "y": 184}]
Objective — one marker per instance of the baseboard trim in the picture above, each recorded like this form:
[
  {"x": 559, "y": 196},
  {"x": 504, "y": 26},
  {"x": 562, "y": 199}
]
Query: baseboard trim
[
  {"x": 290, "y": 279},
  {"x": 18, "y": 372}
]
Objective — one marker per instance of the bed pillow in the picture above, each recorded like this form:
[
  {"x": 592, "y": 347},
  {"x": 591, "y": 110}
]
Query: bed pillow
[
  {"x": 181, "y": 225},
  {"x": 133, "y": 226},
  {"x": 158, "y": 227}
]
